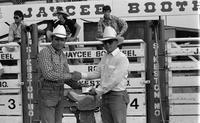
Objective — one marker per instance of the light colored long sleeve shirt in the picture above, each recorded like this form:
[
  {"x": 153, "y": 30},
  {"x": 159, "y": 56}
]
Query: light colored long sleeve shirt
[
  {"x": 113, "y": 72},
  {"x": 118, "y": 24}
]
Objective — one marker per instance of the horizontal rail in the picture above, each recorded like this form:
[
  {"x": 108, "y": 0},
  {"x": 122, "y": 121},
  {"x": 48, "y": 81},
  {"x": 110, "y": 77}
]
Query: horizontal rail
[
  {"x": 183, "y": 39},
  {"x": 96, "y": 42},
  {"x": 10, "y": 45}
]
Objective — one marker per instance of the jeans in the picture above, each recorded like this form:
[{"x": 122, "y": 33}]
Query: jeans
[
  {"x": 114, "y": 107},
  {"x": 87, "y": 117},
  {"x": 51, "y": 104}
]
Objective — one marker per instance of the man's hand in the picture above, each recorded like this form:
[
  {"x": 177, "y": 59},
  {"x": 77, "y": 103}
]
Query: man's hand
[
  {"x": 76, "y": 76},
  {"x": 92, "y": 91}
]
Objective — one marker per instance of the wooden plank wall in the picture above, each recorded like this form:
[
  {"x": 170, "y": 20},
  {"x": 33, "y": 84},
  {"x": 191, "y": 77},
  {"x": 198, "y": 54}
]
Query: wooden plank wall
[
  {"x": 10, "y": 85},
  {"x": 183, "y": 78}
]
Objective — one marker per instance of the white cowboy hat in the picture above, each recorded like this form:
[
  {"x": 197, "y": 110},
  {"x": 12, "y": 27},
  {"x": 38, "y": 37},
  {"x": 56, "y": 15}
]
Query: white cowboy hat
[
  {"x": 60, "y": 32},
  {"x": 12, "y": 46},
  {"x": 110, "y": 33}
]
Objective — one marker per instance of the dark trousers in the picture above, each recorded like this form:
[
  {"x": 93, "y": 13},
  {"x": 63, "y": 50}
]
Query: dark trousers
[
  {"x": 51, "y": 104},
  {"x": 87, "y": 117},
  {"x": 114, "y": 107}
]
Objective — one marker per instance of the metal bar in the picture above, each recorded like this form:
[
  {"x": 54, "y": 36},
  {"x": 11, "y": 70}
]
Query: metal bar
[
  {"x": 10, "y": 45},
  {"x": 95, "y": 42},
  {"x": 183, "y": 39}
]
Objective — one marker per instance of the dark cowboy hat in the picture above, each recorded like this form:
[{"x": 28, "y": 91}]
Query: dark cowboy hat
[{"x": 60, "y": 11}]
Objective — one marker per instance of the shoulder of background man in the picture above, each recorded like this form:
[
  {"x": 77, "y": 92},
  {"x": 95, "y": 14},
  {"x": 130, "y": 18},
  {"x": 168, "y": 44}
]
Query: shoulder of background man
[
  {"x": 101, "y": 19},
  {"x": 114, "y": 17},
  {"x": 45, "y": 22},
  {"x": 70, "y": 21}
]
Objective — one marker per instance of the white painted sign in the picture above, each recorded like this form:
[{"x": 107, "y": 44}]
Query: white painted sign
[
  {"x": 11, "y": 119},
  {"x": 184, "y": 109},
  {"x": 188, "y": 65},
  {"x": 184, "y": 80},
  {"x": 90, "y": 68},
  {"x": 135, "y": 82},
  {"x": 12, "y": 69},
  {"x": 184, "y": 51},
  {"x": 184, "y": 119},
  {"x": 9, "y": 56},
  {"x": 135, "y": 119},
  {"x": 9, "y": 83},
  {"x": 137, "y": 105},
  {"x": 131, "y": 83},
  {"x": 100, "y": 53},
  {"x": 183, "y": 98},
  {"x": 93, "y": 9},
  {"x": 10, "y": 105}
]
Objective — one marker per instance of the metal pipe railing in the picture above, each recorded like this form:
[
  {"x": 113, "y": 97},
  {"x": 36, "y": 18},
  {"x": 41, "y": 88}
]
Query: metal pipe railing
[
  {"x": 183, "y": 39},
  {"x": 95, "y": 42}
]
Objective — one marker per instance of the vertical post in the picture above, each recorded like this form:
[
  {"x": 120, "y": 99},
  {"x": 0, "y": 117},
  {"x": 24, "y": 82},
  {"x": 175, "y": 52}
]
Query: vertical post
[
  {"x": 24, "y": 40},
  {"x": 29, "y": 50},
  {"x": 154, "y": 101},
  {"x": 163, "y": 72},
  {"x": 34, "y": 53}
]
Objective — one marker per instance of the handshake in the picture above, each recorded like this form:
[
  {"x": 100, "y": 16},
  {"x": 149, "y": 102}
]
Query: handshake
[{"x": 76, "y": 75}]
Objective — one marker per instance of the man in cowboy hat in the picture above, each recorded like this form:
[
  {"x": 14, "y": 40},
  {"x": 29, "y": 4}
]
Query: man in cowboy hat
[
  {"x": 71, "y": 26},
  {"x": 115, "y": 22},
  {"x": 113, "y": 72},
  {"x": 53, "y": 74}
]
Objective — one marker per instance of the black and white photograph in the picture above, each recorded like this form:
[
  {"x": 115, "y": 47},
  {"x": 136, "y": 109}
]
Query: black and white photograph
[{"x": 99, "y": 61}]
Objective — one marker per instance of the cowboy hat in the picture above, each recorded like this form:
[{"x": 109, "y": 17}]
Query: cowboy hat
[
  {"x": 11, "y": 47},
  {"x": 110, "y": 33},
  {"x": 60, "y": 32},
  {"x": 60, "y": 11}
]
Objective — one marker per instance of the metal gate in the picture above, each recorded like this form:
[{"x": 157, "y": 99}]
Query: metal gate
[
  {"x": 183, "y": 79},
  {"x": 10, "y": 85}
]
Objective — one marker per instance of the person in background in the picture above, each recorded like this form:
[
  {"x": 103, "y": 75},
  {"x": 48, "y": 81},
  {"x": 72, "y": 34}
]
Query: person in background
[
  {"x": 71, "y": 26},
  {"x": 53, "y": 74},
  {"x": 113, "y": 72},
  {"x": 14, "y": 34},
  {"x": 118, "y": 24}
]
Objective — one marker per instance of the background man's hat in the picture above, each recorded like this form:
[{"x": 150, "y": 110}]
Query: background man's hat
[
  {"x": 60, "y": 11},
  {"x": 11, "y": 47},
  {"x": 110, "y": 33},
  {"x": 60, "y": 31}
]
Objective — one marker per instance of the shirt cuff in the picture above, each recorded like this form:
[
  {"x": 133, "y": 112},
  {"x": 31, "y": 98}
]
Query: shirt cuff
[
  {"x": 99, "y": 91},
  {"x": 66, "y": 76}
]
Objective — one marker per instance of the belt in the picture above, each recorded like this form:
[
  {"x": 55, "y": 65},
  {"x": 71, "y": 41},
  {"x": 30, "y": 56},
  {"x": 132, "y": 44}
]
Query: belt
[
  {"x": 52, "y": 85},
  {"x": 53, "y": 88},
  {"x": 115, "y": 92}
]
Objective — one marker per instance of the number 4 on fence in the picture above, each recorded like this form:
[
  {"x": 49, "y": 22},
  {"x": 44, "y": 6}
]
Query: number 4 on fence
[{"x": 134, "y": 103}]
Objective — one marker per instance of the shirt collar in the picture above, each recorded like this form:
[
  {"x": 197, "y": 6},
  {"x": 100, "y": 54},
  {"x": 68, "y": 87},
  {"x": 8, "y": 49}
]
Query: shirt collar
[
  {"x": 115, "y": 52},
  {"x": 22, "y": 22},
  {"x": 110, "y": 18},
  {"x": 54, "y": 51}
]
